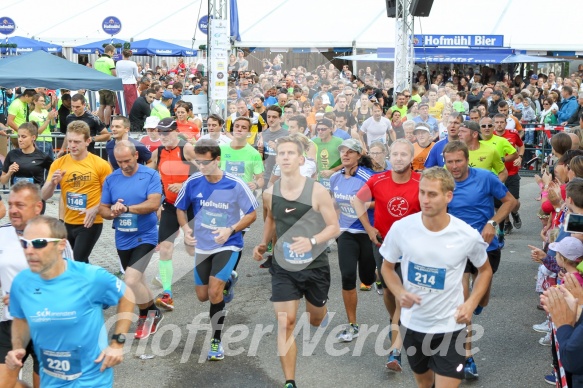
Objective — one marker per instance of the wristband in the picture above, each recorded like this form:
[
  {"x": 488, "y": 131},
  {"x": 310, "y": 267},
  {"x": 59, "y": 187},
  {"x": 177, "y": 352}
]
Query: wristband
[{"x": 127, "y": 208}]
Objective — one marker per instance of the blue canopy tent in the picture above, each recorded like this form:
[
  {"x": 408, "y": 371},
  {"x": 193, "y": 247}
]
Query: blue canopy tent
[
  {"x": 41, "y": 69},
  {"x": 454, "y": 55},
  {"x": 27, "y": 45},
  {"x": 90, "y": 48},
  {"x": 160, "y": 48}
]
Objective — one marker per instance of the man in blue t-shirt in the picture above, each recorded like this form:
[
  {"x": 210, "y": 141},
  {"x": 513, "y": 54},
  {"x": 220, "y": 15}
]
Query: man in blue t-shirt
[
  {"x": 473, "y": 202},
  {"x": 131, "y": 196},
  {"x": 435, "y": 157},
  {"x": 120, "y": 129},
  {"x": 223, "y": 206},
  {"x": 58, "y": 303}
]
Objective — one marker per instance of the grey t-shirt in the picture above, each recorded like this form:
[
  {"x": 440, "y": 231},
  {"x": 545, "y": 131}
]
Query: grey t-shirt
[{"x": 269, "y": 152}]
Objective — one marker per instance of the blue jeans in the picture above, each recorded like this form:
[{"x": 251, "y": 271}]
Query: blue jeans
[
  {"x": 46, "y": 147},
  {"x": 529, "y": 136}
]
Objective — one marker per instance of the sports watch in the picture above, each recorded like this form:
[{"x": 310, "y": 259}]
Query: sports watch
[{"x": 119, "y": 338}]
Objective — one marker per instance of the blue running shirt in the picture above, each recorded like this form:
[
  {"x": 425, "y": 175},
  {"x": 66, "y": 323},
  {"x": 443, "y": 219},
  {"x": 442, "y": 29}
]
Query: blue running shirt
[
  {"x": 216, "y": 205},
  {"x": 65, "y": 317},
  {"x": 344, "y": 190}
]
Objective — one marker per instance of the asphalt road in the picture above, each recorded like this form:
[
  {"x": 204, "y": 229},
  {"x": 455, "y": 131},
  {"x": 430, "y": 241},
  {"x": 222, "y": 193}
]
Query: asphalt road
[{"x": 509, "y": 354}]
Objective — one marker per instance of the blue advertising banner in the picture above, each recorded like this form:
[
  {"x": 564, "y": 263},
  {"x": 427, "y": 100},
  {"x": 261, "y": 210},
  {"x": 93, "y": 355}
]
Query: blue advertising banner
[
  {"x": 203, "y": 24},
  {"x": 111, "y": 25},
  {"x": 458, "y": 40},
  {"x": 7, "y": 25}
]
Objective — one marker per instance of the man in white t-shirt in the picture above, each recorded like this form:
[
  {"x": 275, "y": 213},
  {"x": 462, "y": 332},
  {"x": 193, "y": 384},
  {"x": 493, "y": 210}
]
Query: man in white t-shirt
[
  {"x": 376, "y": 128},
  {"x": 433, "y": 248}
]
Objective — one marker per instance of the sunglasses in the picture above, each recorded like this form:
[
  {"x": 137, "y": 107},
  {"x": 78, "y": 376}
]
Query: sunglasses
[
  {"x": 204, "y": 162},
  {"x": 406, "y": 95},
  {"x": 38, "y": 243},
  {"x": 486, "y": 125},
  {"x": 322, "y": 129}
]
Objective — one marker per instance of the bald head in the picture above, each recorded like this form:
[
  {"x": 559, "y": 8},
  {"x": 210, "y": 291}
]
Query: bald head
[{"x": 576, "y": 142}]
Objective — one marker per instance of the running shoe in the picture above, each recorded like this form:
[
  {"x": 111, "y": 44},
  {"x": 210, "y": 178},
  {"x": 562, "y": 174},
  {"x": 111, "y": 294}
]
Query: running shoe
[
  {"x": 141, "y": 330},
  {"x": 546, "y": 340},
  {"x": 165, "y": 301},
  {"x": 216, "y": 353},
  {"x": 551, "y": 379},
  {"x": 289, "y": 385},
  {"x": 364, "y": 287},
  {"x": 516, "y": 221},
  {"x": 478, "y": 310},
  {"x": 379, "y": 287},
  {"x": 394, "y": 361},
  {"x": 267, "y": 263},
  {"x": 542, "y": 327},
  {"x": 348, "y": 334},
  {"x": 507, "y": 228},
  {"x": 229, "y": 292},
  {"x": 471, "y": 370}
]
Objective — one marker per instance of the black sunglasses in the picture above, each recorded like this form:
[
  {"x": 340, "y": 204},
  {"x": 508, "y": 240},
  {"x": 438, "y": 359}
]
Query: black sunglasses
[
  {"x": 486, "y": 125},
  {"x": 204, "y": 162},
  {"x": 322, "y": 129},
  {"x": 38, "y": 243}
]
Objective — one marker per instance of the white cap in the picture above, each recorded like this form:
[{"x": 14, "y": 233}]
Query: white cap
[{"x": 151, "y": 122}]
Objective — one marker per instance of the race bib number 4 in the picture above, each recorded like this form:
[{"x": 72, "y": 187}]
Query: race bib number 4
[
  {"x": 296, "y": 258},
  {"x": 76, "y": 201},
  {"x": 127, "y": 222},
  {"x": 428, "y": 278},
  {"x": 213, "y": 219},
  {"x": 64, "y": 365}
]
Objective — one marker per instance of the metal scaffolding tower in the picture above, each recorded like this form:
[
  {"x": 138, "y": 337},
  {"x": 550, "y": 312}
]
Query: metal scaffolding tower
[
  {"x": 404, "y": 54},
  {"x": 217, "y": 103}
]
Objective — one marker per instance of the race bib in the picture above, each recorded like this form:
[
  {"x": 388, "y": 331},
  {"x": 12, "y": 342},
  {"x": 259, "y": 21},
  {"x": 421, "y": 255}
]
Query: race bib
[
  {"x": 21, "y": 178},
  {"x": 348, "y": 211},
  {"x": 325, "y": 182},
  {"x": 427, "y": 278},
  {"x": 213, "y": 219},
  {"x": 127, "y": 222},
  {"x": 296, "y": 258},
  {"x": 76, "y": 201},
  {"x": 64, "y": 365},
  {"x": 235, "y": 168}
]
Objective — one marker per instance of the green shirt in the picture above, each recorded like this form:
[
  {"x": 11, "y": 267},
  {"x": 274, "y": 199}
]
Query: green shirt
[
  {"x": 416, "y": 97},
  {"x": 328, "y": 154},
  {"x": 402, "y": 110},
  {"x": 486, "y": 157},
  {"x": 18, "y": 108},
  {"x": 245, "y": 163},
  {"x": 501, "y": 144},
  {"x": 160, "y": 111},
  {"x": 104, "y": 64},
  {"x": 40, "y": 119}
]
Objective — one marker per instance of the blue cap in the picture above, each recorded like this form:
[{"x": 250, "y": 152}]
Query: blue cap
[{"x": 167, "y": 95}]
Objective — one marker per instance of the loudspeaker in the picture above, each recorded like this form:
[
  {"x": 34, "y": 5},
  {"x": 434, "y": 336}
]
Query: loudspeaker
[
  {"x": 391, "y": 8},
  {"x": 420, "y": 7}
]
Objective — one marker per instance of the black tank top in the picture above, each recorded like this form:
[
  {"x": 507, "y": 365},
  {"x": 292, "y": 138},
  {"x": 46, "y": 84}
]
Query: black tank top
[{"x": 297, "y": 218}]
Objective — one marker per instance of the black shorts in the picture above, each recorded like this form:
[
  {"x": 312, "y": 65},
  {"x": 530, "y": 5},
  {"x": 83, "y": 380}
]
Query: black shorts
[
  {"x": 313, "y": 283},
  {"x": 355, "y": 256},
  {"x": 218, "y": 265},
  {"x": 6, "y": 346},
  {"x": 169, "y": 226},
  {"x": 494, "y": 259},
  {"x": 137, "y": 258},
  {"x": 447, "y": 360},
  {"x": 106, "y": 97},
  {"x": 379, "y": 261},
  {"x": 513, "y": 185}
]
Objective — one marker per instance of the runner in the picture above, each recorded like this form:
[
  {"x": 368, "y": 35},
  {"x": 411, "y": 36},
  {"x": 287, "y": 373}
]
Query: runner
[
  {"x": 328, "y": 161},
  {"x": 81, "y": 175},
  {"x": 68, "y": 336},
  {"x": 473, "y": 202},
  {"x": 214, "y": 125},
  {"x": 300, "y": 266},
  {"x": 396, "y": 195},
  {"x": 120, "y": 130},
  {"x": 173, "y": 160},
  {"x": 131, "y": 196},
  {"x": 433, "y": 248},
  {"x": 217, "y": 199},
  {"x": 435, "y": 157},
  {"x": 354, "y": 247},
  {"x": 268, "y": 138}
]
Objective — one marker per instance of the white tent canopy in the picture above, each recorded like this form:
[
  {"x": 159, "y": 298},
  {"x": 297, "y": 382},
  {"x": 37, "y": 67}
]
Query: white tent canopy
[{"x": 299, "y": 23}]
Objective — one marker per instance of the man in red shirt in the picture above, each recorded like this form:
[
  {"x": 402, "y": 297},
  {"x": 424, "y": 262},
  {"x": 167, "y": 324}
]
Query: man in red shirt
[
  {"x": 513, "y": 180},
  {"x": 394, "y": 195}
]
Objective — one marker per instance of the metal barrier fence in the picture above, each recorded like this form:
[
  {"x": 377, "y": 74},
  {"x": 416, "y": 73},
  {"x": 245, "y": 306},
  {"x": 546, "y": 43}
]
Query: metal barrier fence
[{"x": 537, "y": 151}]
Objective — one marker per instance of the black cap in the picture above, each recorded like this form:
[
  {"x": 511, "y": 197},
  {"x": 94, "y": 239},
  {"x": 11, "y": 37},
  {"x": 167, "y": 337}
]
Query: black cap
[{"x": 166, "y": 125}]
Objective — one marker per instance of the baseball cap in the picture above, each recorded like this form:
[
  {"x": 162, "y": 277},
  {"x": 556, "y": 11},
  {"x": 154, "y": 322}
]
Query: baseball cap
[
  {"x": 325, "y": 122},
  {"x": 351, "y": 144},
  {"x": 472, "y": 126},
  {"x": 423, "y": 104},
  {"x": 151, "y": 122},
  {"x": 167, "y": 95},
  {"x": 422, "y": 127},
  {"x": 569, "y": 247},
  {"x": 166, "y": 125},
  {"x": 534, "y": 76}
]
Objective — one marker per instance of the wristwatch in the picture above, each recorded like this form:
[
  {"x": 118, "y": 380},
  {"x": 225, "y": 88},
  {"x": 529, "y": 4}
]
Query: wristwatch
[
  {"x": 493, "y": 223},
  {"x": 313, "y": 241},
  {"x": 119, "y": 338},
  {"x": 127, "y": 208}
]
